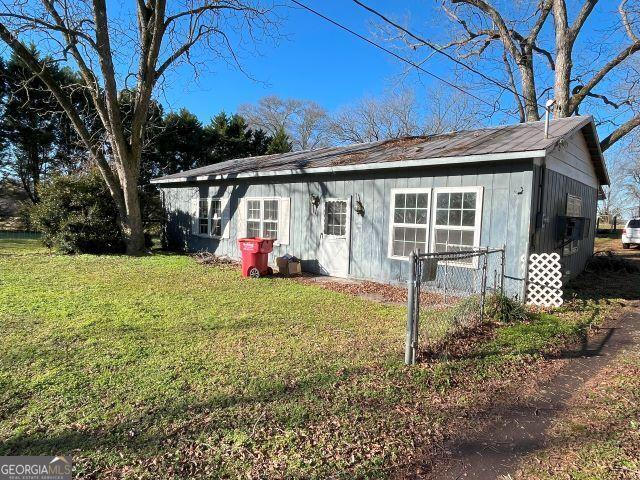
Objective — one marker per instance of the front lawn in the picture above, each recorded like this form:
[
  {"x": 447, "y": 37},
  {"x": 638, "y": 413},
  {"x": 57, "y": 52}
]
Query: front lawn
[{"x": 159, "y": 367}]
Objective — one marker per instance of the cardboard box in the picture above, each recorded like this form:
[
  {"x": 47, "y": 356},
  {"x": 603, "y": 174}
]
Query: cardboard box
[
  {"x": 294, "y": 268},
  {"x": 288, "y": 266}
]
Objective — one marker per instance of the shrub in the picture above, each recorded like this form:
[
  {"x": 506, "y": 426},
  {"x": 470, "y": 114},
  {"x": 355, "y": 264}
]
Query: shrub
[
  {"x": 466, "y": 313},
  {"x": 76, "y": 214},
  {"x": 504, "y": 309}
]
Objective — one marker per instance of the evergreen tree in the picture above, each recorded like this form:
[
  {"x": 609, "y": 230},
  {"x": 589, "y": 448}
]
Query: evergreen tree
[
  {"x": 230, "y": 137},
  {"x": 280, "y": 143},
  {"x": 36, "y": 138},
  {"x": 179, "y": 144}
]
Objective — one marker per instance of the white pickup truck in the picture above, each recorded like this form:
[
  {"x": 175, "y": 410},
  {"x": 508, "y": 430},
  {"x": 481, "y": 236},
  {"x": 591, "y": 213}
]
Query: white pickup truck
[{"x": 631, "y": 233}]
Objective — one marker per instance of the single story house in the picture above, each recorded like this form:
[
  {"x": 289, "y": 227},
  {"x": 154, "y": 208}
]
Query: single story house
[{"x": 357, "y": 211}]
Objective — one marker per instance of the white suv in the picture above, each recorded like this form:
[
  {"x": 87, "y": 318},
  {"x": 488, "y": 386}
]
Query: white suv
[{"x": 631, "y": 233}]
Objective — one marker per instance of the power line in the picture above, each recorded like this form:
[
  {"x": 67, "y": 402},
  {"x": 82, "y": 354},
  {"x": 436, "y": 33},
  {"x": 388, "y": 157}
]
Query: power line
[
  {"x": 441, "y": 51},
  {"x": 399, "y": 57}
]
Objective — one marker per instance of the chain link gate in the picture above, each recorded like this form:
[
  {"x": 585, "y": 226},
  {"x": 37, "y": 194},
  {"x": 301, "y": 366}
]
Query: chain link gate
[{"x": 451, "y": 287}]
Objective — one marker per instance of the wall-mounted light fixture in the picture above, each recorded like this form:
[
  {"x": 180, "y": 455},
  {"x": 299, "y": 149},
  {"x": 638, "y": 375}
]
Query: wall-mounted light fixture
[
  {"x": 314, "y": 200},
  {"x": 359, "y": 208}
]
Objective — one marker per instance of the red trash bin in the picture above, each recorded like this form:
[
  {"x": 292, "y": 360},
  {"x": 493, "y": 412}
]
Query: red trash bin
[{"x": 255, "y": 256}]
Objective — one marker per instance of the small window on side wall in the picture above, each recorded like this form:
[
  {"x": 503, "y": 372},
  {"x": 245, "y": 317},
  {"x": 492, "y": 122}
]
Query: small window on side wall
[{"x": 573, "y": 208}]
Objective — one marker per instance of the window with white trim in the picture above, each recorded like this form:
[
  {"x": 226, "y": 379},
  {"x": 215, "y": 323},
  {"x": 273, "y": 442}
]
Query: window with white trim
[
  {"x": 203, "y": 216},
  {"x": 409, "y": 221},
  {"x": 262, "y": 217},
  {"x": 335, "y": 218},
  {"x": 216, "y": 217},
  {"x": 456, "y": 220}
]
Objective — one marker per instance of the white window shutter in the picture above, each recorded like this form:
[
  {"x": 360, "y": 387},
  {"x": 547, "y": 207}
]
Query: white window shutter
[
  {"x": 194, "y": 215},
  {"x": 225, "y": 208},
  {"x": 283, "y": 221},
  {"x": 241, "y": 215}
]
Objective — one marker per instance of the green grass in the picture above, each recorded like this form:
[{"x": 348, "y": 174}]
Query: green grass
[
  {"x": 157, "y": 367},
  {"x": 15, "y": 246}
]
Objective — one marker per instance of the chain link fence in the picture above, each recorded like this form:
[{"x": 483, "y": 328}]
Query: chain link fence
[{"x": 447, "y": 294}]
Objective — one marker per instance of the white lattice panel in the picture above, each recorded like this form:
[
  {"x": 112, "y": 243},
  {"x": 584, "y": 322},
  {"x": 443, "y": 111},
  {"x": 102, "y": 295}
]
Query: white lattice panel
[{"x": 544, "y": 287}]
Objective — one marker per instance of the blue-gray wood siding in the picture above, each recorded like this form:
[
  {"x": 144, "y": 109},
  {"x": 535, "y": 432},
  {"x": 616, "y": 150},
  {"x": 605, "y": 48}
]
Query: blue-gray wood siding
[
  {"x": 545, "y": 239},
  {"x": 506, "y": 213}
]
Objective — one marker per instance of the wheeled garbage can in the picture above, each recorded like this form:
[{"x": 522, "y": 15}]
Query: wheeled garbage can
[{"x": 255, "y": 256}]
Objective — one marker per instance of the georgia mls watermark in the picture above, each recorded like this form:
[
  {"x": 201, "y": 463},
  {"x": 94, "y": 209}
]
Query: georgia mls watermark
[{"x": 35, "y": 468}]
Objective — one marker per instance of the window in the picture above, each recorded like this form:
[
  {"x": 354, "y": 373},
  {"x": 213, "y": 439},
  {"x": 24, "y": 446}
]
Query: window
[
  {"x": 410, "y": 221},
  {"x": 270, "y": 219},
  {"x": 335, "y": 218},
  {"x": 573, "y": 208},
  {"x": 456, "y": 225},
  {"x": 262, "y": 218},
  {"x": 208, "y": 217},
  {"x": 216, "y": 217},
  {"x": 253, "y": 218},
  {"x": 203, "y": 216}
]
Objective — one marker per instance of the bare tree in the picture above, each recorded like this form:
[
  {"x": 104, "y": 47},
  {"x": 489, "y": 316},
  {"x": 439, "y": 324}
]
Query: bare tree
[
  {"x": 506, "y": 38},
  {"x": 447, "y": 111},
  {"x": 617, "y": 192},
  {"x": 626, "y": 177},
  {"x": 392, "y": 116},
  {"x": 518, "y": 47},
  {"x": 304, "y": 121},
  {"x": 82, "y": 34},
  {"x": 399, "y": 114}
]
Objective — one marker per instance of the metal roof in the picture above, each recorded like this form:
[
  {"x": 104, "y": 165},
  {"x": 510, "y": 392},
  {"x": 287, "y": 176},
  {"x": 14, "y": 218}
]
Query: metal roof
[{"x": 521, "y": 140}]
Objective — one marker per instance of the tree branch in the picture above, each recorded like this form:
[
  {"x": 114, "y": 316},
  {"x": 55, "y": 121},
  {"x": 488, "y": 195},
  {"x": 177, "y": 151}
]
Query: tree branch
[
  {"x": 89, "y": 77},
  {"x": 597, "y": 78},
  {"x": 103, "y": 48},
  {"x": 625, "y": 21},
  {"x": 620, "y": 132},
  {"x": 507, "y": 65},
  {"x": 500, "y": 24}
]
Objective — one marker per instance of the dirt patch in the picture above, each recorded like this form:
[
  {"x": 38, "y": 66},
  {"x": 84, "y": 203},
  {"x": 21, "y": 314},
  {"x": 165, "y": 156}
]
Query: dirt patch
[
  {"x": 609, "y": 261},
  {"x": 598, "y": 436},
  {"x": 379, "y": 292},
  {"x": 461, "y": 345},
  {"x": 494, "y": 440}
]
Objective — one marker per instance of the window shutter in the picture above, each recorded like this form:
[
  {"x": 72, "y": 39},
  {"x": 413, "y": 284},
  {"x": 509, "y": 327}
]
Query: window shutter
[
  {"x": 242, "y": 218},
  {"x": 225, "y": 208},
  {"x": 283, "y": 221},
  {"x": 194, "y": 215}
]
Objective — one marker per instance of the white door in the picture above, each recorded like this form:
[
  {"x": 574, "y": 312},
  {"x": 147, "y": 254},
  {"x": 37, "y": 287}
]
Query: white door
[{"x": 335, "y": 237}]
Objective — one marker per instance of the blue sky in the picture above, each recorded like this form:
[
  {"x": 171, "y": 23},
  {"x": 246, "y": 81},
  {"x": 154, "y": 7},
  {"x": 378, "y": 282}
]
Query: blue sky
[
  {"x": 317, "y": 61},
  {"x": 313, "y": 60}
]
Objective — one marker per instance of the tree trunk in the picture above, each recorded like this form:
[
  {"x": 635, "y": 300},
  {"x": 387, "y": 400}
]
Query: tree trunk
[
  {"x": 124, "y": 192},
  {"x": 563, "y": 61},
  {"x": 129, "y": 207},
  {"x": 525, "y": 66},
  {"x": 132, "y": 221},
  {"x": 561, "y": 83}
]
